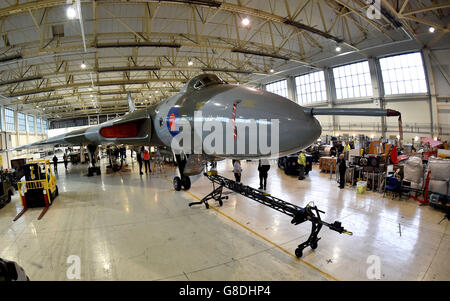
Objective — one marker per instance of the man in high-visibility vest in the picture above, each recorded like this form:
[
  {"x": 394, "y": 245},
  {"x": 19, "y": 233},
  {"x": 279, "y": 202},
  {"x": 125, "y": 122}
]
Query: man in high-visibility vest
[
  {"x": 301, "y": 160},
  {"x": 347, "y": 147}
]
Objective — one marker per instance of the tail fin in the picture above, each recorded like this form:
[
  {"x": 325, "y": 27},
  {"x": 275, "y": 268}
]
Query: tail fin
[{"x": 131, "y": 107}]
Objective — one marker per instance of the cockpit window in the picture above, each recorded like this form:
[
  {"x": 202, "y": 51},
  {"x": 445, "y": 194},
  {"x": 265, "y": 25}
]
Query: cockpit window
[
  {"x": 199, "y": 84},
  {"x": 201, "y": 81}
]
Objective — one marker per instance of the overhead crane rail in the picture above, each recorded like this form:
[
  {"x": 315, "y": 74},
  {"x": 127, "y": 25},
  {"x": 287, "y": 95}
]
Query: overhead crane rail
[{"x": 299, "y": 214}]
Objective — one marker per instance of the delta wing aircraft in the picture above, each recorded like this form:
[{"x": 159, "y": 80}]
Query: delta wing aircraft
[{"x": 211, "y": 120}]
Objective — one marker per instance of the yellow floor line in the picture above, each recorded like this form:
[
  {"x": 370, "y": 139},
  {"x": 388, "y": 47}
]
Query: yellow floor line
[{"x": 311, "y": 266}]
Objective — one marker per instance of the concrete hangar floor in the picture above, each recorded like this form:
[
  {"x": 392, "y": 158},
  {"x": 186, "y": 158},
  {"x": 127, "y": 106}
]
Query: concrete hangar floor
[{"x": 123, "y": 226}]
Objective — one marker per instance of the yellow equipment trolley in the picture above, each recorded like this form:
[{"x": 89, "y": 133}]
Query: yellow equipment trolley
[{"x": 39, "y": 188}]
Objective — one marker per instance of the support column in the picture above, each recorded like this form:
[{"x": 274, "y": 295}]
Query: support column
[
  {"x": 378, "y": 91},
  {"x": 292, "y": 93},
  {"x": 434, "y": 116},
  {"x": 331, "y": 95}
]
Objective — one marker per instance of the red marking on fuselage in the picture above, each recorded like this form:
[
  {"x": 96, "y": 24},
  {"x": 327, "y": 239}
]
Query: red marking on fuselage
[
  {"x": 172, "y": 122},
  {"x": 234, "y": 121}
]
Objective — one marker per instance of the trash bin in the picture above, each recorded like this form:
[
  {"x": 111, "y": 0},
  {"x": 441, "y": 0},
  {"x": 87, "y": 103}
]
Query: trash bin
[{"x": 361, "y": 187}]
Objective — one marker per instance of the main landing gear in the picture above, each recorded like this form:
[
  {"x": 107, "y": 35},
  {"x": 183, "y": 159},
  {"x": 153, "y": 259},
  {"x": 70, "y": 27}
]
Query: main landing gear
[{"x": 92, "y": 149}]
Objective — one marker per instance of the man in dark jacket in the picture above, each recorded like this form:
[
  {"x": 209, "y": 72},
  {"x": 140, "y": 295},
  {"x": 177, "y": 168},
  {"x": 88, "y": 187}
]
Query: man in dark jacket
[
  {"x": 139, "y": 159},
  {"x": 263, "y": 168},
  {"x": 55, "y": 163},
  {"x": 342, "y": 169}
]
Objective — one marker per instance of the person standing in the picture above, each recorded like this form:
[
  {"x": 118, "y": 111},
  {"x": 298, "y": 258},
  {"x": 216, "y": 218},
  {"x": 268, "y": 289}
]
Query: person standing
[
  {"x": 146, "y": 157},
  {"x": 139, "y": 159},
  {"x": 55, "y": 164},
  {"x": 301, "y": 160},
  {"x": 347, "y": 147},
  {"x": 263, "y": 168},
  {"x": 342, "y": 168},
  {"x": 340, "y": 149},
  {"x": 237, "y": 169},
  {"x": 65, "y": 160}
]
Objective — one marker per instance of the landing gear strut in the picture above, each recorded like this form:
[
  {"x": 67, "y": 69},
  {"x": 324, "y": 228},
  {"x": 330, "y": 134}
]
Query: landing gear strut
[
  {"x": 92, "y": 149},
  {"x": 182, "y": 181}
]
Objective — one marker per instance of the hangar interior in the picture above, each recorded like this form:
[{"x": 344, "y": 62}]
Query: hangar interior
[{"x": 69, "y": 64}]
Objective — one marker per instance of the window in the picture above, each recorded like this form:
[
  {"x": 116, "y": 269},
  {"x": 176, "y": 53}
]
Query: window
[
  {"x": 44, "y": 122},
  {"x": 22, "y": 122},
  {"x": 403, "y": 74},
  {"x": 9, "y": 120},
  {"x": 353, "y": 81},
  {"x": 279, "y": 88},
  {"x": 31, "y": 123},
  {"x": 311, "y": 87},
  {"x": 38, "y": 125}
]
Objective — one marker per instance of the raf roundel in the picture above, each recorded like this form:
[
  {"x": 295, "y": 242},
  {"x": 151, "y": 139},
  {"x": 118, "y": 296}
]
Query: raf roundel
[{"x": 172, "y": 122}]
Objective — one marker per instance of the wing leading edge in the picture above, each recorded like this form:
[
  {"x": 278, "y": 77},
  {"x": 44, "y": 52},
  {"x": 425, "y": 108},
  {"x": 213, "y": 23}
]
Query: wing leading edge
[{"x": 134, "y": 129}]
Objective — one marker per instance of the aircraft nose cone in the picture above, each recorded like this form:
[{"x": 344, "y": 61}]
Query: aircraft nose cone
[{"x": 296, "y": 129}]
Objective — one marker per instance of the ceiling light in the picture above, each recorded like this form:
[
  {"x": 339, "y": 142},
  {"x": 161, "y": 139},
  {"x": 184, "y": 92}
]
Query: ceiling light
[
  {"x": 338, "y": 49},
  {"x": 435, "y": 138},
  {"x": 190, "y": 63},
  {"x": 91, "y": 95},
  {"x": 19, "y": 98},
  {"x": 83, "y": 66},
  {"x": 272, "y": 71},
  {"x": 245, "y": 21},
  {"x": 71, "y": 12},
  {"x": 90, "y": 89},
  {"x": 432, "y": 29},
  {"x": 372, "y": 136}
]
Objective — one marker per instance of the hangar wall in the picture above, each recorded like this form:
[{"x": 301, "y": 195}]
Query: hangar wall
[
  {"x": 12, "y": 138},
  {"x": 423, "y": 115}
]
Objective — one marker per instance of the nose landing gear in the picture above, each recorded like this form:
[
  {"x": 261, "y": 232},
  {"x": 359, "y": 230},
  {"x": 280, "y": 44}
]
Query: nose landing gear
[{"x": 181, "y": 182}]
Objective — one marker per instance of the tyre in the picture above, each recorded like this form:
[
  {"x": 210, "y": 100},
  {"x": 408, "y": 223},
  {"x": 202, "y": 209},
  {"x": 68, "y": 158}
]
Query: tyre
[
  {"x": 177, "y": 183},
  {"x": 186, "y": 183},
  {"x": 298, "y": 252},
  {"x": 314, "y": 245}
]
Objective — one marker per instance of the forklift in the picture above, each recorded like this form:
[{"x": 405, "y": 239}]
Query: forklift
[{"x": 39, "y": 188}]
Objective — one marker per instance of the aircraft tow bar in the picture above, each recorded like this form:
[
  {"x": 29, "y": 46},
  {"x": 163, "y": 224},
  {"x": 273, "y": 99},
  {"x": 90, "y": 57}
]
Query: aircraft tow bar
[{"x": 299, "y": 214}]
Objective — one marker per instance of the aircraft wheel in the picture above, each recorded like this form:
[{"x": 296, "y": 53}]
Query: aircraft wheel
[
  {"x": 177, "y": 183},
  {"x": 186, "y": 183},
  {"x": 298, "y": 252}
]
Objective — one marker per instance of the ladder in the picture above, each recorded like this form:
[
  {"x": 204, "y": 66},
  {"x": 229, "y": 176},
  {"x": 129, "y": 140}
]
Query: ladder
[{"x": 299, "y": 214}]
